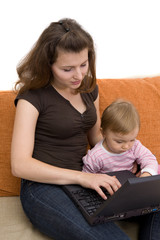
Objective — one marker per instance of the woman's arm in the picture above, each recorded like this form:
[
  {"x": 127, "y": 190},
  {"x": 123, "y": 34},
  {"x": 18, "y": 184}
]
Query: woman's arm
[
  {"x": 94, "y": 134},
  {"x": 22, "y": 163},
  {"x": 25, "y": 166}
]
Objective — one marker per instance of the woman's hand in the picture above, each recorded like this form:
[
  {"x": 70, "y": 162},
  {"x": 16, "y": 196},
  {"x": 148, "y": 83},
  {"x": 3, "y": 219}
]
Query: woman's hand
[{"x": 96, "y": 181}]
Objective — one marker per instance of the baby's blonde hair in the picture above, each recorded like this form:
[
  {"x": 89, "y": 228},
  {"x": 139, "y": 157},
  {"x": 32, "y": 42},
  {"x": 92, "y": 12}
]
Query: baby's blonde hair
[{"x": 120, "y": 116}]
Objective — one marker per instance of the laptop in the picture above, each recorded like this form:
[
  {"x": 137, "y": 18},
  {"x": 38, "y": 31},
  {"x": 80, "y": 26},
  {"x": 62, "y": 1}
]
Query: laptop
[{"x": 136, "y": 196}]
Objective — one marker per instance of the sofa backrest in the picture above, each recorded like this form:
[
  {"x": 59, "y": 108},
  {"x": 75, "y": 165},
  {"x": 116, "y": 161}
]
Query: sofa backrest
[
  {"x": 144, "y": 93},
  {"x": 9, "y": 185}
]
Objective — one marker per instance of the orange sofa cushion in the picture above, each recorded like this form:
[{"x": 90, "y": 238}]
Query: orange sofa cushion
[
  {"x": 144, "y": 93},
  {"x": 9, "y": 185}
]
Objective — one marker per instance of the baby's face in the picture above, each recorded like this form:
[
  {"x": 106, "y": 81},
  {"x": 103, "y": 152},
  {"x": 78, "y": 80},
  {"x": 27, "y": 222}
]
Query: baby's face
[{"x": 118, "y": 142}]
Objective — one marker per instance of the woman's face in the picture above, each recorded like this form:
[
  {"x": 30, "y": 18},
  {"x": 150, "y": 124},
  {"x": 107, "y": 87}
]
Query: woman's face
[{"x": 70, "y": 69}]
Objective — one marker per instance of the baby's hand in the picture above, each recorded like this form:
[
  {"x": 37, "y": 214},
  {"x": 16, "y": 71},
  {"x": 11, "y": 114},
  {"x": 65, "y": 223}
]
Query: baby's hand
[{"x": 145, "y": 174}]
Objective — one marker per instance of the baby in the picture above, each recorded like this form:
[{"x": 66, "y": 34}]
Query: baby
[{"x": 119, "y": 149}]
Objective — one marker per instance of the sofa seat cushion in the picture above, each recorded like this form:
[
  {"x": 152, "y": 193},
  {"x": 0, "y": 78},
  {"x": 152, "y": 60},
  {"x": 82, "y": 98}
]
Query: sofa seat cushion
[{"x": 14, "y": 225}]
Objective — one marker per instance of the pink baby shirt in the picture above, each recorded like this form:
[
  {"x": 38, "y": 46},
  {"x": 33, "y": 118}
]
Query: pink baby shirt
[{"x": 99, "y": 160}]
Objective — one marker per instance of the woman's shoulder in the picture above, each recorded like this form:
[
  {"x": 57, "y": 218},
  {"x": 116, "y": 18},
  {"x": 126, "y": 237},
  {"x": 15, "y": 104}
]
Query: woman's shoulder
[{"x": 34, "y": 96}]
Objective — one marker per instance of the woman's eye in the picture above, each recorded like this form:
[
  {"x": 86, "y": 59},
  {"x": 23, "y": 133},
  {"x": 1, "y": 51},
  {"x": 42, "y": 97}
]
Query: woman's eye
[
  {"x": 67, "y": 70},
  {"x": 83, "y": 65}
]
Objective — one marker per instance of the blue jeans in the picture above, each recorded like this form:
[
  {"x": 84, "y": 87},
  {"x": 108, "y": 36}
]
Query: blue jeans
[{"x": 53, "y": 213}]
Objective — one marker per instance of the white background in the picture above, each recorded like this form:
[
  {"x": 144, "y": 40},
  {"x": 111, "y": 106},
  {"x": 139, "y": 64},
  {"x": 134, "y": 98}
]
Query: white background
[{"x": 126, "y": 33}]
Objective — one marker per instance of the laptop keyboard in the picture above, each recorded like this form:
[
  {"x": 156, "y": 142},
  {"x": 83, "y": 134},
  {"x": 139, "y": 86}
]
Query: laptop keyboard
[{"x": 90, "y": 199}]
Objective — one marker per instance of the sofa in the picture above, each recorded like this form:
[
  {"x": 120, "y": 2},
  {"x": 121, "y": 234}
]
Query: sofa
[{"x": 143, "y": 92}]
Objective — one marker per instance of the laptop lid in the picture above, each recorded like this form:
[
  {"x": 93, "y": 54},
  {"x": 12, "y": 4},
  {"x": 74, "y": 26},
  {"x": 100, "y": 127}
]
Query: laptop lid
[{"x": 137, "y": 196}]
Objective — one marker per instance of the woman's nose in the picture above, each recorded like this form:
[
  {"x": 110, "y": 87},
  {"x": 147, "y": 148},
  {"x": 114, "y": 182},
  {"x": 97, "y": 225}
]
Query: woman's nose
[{"x": 78, "y": 74}]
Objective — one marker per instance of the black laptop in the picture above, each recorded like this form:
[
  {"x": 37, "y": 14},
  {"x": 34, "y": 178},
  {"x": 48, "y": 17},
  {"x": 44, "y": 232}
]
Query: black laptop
[{"x": 136, "y": 196}]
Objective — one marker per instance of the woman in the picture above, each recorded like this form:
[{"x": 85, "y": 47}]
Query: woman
[{"x": 57, "y": 114}]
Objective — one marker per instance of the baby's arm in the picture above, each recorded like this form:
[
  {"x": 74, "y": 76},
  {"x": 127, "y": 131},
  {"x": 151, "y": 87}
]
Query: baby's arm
[{"x": 148, "y": 162}]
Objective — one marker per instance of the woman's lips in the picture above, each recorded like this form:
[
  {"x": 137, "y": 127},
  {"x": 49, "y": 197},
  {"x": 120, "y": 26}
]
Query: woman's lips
[{"x": 76, "y": 82}]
